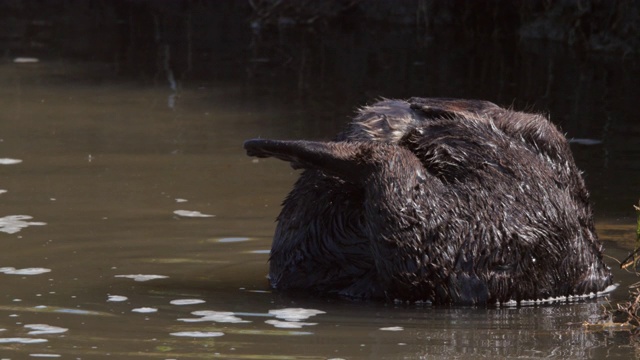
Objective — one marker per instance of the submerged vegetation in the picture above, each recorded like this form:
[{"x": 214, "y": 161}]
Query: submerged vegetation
[
  {"x": 631, "y": 308},
  {"x": 625, "y": 315}
]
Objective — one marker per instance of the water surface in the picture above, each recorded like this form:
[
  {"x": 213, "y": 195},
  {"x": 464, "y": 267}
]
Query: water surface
[{"x": 133, "y": 226}]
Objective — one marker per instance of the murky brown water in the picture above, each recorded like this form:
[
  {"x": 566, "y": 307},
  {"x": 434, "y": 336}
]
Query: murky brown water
[{"x": 119, "y": 182}]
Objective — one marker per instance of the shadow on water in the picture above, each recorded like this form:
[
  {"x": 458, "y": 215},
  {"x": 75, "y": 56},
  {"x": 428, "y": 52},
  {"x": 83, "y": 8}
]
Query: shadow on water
[{"x": 133, "y": 225}]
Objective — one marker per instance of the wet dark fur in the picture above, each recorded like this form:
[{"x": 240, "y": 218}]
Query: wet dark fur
[{"x": 439, "y": 200}]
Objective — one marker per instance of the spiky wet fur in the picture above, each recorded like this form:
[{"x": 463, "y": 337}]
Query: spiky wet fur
[{"x": 439, "y": 200}]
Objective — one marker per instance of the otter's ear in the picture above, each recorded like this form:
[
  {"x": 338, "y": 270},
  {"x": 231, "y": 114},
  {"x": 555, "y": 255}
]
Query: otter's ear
[{"x": 338, "y": 159}]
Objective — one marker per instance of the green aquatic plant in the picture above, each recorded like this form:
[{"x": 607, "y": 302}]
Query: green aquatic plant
[
  {"x": 631, "y": 308},
  {"x": 625, "y": 315},
  {"x": 638, "y": 223},
  {"x": 632, "y": 260}
]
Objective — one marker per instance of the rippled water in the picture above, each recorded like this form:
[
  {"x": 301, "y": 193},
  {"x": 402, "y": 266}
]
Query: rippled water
[{"x": 133, "y": 226}]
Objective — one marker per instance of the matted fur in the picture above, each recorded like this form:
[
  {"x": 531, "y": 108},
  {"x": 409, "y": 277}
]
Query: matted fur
[{"x": 437, "y": 200}]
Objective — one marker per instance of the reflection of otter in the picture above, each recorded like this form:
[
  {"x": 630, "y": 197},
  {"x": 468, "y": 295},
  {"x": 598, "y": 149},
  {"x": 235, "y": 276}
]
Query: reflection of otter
[{"x": 440, "y": 200}]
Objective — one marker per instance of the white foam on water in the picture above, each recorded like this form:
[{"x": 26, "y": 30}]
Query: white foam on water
[
  {"x": 145, "y": 310},
  {"x": 46, "y": 355},
  {"x": 44, "y": 329},
  {"x": 265, "y": 251},
  {"x": 8, "y": 161},
  {"x": 26, "y": 60},
  {"x": 295, "y": 314},
  {"x": 233, "y": 239},
  {"x": 117, "y": 298},
  {"x": 292, "y": 317},
  {"x": 392, "y": 328},
  {"x": 193, "y": 214},
  {"x": 25, "y": 271},
  {"x": 288, "y": 324},
  {"x": 198, "y": 334},
  {"x": 21, "y": 340},
  {"x": 181, "y": 200},
  {"x": 571, "y": 298},
  {"x": 186, "y": 301},
  {"x": 215, "y": 316},
  {"x": 12, "y": 224},
  {"x": 142, "y": 277}
]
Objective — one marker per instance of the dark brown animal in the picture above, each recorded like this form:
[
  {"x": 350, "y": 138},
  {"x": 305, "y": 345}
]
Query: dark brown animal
[{"x": 437, "y": 200}]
